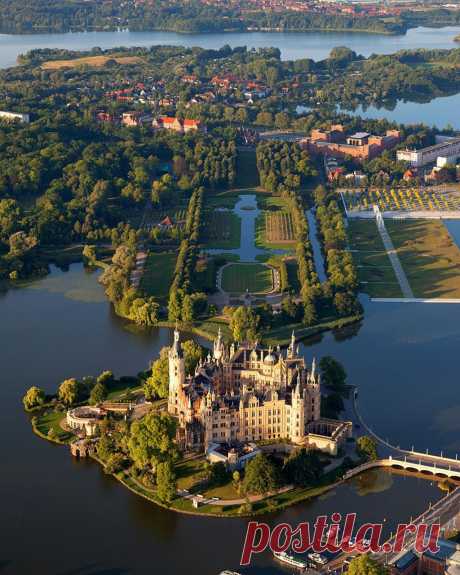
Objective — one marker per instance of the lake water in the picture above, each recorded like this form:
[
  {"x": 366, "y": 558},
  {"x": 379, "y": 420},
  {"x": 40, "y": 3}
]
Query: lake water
[
  {"x": 293, "y": 45},
  {"x": 440, "y": 112},
  {"x": 60, "y": 516}
]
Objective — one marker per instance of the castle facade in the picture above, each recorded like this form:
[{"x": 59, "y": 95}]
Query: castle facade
[{"x": 247, "y": 393}]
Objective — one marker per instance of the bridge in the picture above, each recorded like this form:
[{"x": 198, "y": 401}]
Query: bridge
[
  {"x": 414, "y": 462},
  {"x": 432, "y": 466}
]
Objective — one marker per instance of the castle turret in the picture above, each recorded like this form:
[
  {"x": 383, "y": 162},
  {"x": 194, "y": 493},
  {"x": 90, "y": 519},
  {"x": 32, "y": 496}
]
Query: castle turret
[
  {"x": 291, "y": 348},
  {"x": 176, "y": 374},
  {"x": 219, "y": 347}
]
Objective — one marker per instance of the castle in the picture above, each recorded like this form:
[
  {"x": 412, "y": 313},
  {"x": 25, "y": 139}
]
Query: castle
[{"x": 245, "y": 393}]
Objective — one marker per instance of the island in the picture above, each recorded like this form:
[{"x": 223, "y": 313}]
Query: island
[{"x": 241, "y": 429}]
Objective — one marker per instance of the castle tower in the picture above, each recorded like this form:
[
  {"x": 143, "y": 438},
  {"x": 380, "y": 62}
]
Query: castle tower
[
  {"x": 291, "y": 352},
  {"x": 219, "y": 347},
  {"x": 176, "y": 374},
  {"x": 298, "y": 418}
]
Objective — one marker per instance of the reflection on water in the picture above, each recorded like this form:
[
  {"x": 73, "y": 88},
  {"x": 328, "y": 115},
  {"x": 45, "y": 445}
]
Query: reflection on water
[
  {"x": 440, "y": 112},
  {"x": 73, "y": 284},
  {"x": 293, "y": 45},
  {"x": 374, "y": 481},
  {"x": 47, "y": 337}
]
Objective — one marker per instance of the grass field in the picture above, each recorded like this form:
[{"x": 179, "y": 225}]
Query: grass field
[
  {"x": 375, "y": 272},
  {"x": 158, "y": 274},
  {"x": 222, "y": 230},
  {"x": 95, "y": 61},
  {"x": 429, "y": 257},
  {"x": 237, "y": 278}
]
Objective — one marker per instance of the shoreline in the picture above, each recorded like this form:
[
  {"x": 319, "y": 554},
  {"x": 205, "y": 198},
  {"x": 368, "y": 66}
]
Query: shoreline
[
  {"x": 246, "y": 30},
  {"x": 305, "y": 494}
]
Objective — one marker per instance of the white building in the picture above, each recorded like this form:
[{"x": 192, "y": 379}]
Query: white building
[
  {"x": 13, "y": 117},
  {"x": 429, "y": 155}
]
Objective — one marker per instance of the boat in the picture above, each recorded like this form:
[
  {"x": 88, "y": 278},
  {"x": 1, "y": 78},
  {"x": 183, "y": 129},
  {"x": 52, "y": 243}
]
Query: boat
[
  {"x": 290, "y": 560},
  {"x": 317, "y": 558}
]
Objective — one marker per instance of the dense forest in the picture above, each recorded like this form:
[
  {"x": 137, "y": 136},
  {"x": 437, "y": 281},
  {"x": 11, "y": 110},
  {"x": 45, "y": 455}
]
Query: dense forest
[{"x": 19, "y": 16}]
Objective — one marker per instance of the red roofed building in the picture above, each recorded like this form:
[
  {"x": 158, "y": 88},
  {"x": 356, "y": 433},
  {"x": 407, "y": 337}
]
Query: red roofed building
[{"x": 177, "y": 125}]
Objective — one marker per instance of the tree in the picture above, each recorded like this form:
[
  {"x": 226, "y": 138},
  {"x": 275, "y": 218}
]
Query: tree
[
  {"x": 166, "y": 482},
  {"x": 367, "y": 448},
  {"x": 34, "y": 397},
  {"x": 157, "y": 385},
  {"x": 106, "y": 378},
  {"x": 21, "y": 243},
  {"x": 144, "y": 311},
  {"x": 98, "y": 394},
  {"x": 69, "y": 391},
  {"x": 89, "y": 254},
  {"x": 260, "y": 475},
  {"x": 193, "y": 352},
  {"x": 244, "y": 324},
  {"x": 282, "y": 120},
  {"x": 333, "y": 374},
  {"x": 114, "y": 463},
  {"x": 217, "y": 473},
  {"x": 151, "y": 440},
  {"x": 365, "y": 565},
  {"x": 302, "y": 468}
]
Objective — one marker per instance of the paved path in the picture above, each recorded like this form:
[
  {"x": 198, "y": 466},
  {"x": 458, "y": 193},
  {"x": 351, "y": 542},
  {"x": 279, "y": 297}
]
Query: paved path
[{"x": 392, "y": 254}]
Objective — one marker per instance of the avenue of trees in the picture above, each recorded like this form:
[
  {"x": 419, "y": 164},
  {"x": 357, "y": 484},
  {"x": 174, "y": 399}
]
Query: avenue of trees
[{"x": 341, "y": 271}]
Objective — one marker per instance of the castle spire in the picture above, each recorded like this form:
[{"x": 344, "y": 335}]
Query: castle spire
[
  {"x": 291, "y": 348},
  {"x": 176, "y": 350}
]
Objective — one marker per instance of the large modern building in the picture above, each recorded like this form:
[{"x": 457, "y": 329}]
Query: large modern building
[
  {"x": 417, "y": 158},
  {"x": 247, "y": 393},
  {"x": 361, "y": 145}
]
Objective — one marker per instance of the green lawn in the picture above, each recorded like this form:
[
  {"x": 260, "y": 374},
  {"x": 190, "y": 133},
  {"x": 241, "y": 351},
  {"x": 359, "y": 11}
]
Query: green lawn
[
  {"x": 429, "y": 256},
  {"x": 375, "y": 272},
  {"x": 158, "y": 274},
  {"x": 52, "y": 420},
  {"x": 237, "y": 278},
  {"x": 222, "y": 230}
]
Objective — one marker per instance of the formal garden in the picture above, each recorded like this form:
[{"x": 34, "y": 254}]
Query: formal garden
[{"x": 241, "y": 277}]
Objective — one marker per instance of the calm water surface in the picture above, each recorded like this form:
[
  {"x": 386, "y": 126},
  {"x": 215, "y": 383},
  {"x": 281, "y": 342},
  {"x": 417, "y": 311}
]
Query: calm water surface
[
  {"x": 440, "y": 112},
  {"x": 61, "y": 517},
  {"x": 293, "y": 45}
]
